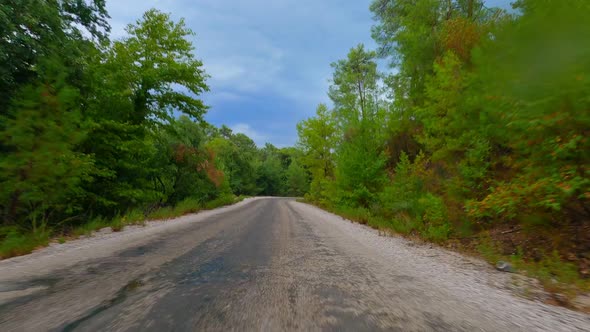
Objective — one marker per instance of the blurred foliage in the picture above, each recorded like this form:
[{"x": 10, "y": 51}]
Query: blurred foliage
[{"x": 482, "y": 120}]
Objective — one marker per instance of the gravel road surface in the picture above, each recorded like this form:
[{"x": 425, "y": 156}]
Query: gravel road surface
[{"x": 265, "y": 264}]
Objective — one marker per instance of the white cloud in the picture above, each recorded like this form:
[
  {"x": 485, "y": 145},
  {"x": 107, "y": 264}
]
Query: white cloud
[
  {"x": 259, "y": 45},
  {"x": 246, "y": 129},
  {"x": 224, "y": 72},
  {"x": 222, "y": 96}
]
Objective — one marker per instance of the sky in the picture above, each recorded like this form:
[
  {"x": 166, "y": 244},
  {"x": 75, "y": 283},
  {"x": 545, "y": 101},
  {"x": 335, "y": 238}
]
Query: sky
[{"x": 269, "y": 60}]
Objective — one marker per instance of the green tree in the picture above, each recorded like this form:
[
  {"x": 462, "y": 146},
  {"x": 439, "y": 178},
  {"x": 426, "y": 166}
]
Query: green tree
[
  {"x": 360, "y": 163},
  {"x": 34, "y": 30},
  {"x": 354, "y": 90},
  {"x": 41, "y": 173},
  {"x": 318, "y": 139},
  {"x": 297, "y": 179},
  {"x": 238, "y": 157},
  {"x": 271, "y": 172},
  {"x": 188, "y": 168},
  {"x": 136, "y": 84},
  {"x": 157, "y": 63}
]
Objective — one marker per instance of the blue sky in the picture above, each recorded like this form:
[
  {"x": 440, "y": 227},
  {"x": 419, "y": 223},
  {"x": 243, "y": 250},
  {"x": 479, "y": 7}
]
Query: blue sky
[{"x": 269, "y": 60}]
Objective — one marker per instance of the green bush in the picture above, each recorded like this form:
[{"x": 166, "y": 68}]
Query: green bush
[
  {"x": 91, "y": 226},
  {"x": 134, "y": 216},
  {"x": 403, "y": 193},
  {"x": 404, "y": 224},
  {"x": 434, "y": 211},
  {"x": 163, "y": 213},
  {"x": 438, "y": 233},
  {"x": 552, "y": 268},
  {"x": 357, "y": 214},
  {"x": 188, "y": 205},
  {"x": 220, "y": 201}
]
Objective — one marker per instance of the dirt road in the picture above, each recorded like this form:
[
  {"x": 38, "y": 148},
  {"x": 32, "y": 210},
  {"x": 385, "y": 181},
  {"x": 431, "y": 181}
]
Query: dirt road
[{"x": 264, "y": 264}]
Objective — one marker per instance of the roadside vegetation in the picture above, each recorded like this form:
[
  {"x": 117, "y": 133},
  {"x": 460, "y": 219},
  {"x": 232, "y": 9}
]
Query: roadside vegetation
[
  {"x": 476, "y": 137},
  {"x": 101, "y": 133}
]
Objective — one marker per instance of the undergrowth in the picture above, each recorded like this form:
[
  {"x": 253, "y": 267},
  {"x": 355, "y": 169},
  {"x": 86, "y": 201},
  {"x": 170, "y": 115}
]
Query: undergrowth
[{"x": 555, "y": 274}]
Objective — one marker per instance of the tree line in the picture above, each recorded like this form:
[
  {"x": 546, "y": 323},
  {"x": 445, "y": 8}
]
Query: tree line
[
  {"x": 481, "y": 121},
  {"x": 94, "y": 130}
]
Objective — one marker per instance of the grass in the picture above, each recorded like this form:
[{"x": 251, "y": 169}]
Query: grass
[
  {"x": 188, "y": 206},
  {"x": 16, "y": 243},
  {"x": 359, "y": 215},
  {"x": 488, "y": 249},
  {"x": 222, "y": 201},
  {"x": 91, "y": 226},
  {"x": 438, "y": 233},
  {"x": 555, "y": 274},
  {"x": 403, "y": 224}
]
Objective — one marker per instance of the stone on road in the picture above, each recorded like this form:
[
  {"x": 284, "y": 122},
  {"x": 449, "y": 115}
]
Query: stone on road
[{"x": 265, "y": 265}]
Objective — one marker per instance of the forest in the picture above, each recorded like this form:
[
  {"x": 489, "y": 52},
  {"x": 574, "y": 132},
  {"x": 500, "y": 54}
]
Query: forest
[
  {"x": 101, "y": 133},
  {"x": 474, "y": 137}
]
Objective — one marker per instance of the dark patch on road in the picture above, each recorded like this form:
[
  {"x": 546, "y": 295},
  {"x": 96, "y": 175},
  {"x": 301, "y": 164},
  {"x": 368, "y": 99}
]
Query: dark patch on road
[
  {"x": 139, "y": 251},
  {"x": 46, "y": 283},
  {"x": 120, "y": 297}
]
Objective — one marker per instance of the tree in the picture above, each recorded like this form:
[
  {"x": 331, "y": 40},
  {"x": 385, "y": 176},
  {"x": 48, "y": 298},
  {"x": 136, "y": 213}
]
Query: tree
[
  {"x": 136, "y": 85},
  {"x": 270, "y": 172},
  {"x": 34, "y": 30},
  {"x": 354, "y": 89},
  {"x": 407, "y": 33},
  {"x": 41, "y": 174},
  {"x": 90, "y": 129},
  {"x": 360, "y": 163},
  {"x": 318, "y": 139},
  {"x": 157, "y": 63},
  {"x": 188, "y": 168},
  {"x": 237, "y": 155},
  {"x": 297, "y": 180}
]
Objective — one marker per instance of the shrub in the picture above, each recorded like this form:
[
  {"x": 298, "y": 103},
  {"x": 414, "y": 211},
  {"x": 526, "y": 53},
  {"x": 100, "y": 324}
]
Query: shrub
[
  {"x": 357, "y": 214},
  {"x": 433, "y": 209},
  {"x": 93, "y": 225},
  {"x": 220, "y": 201},
  {"x": 404, "y": 191},
  {"x": 162, "y": 213},
  {"x": 404, "y": 224},
  {"x": 438, "y": 233},
  {"x": 188, "y": 205}
]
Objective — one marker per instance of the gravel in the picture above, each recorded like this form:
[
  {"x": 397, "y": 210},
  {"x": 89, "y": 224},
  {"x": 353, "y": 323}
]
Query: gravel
[{"x": 470, "y": 281}]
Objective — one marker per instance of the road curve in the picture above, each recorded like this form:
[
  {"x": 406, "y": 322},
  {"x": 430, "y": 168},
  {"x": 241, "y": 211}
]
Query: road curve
[{"x": 264, "y": 265}]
